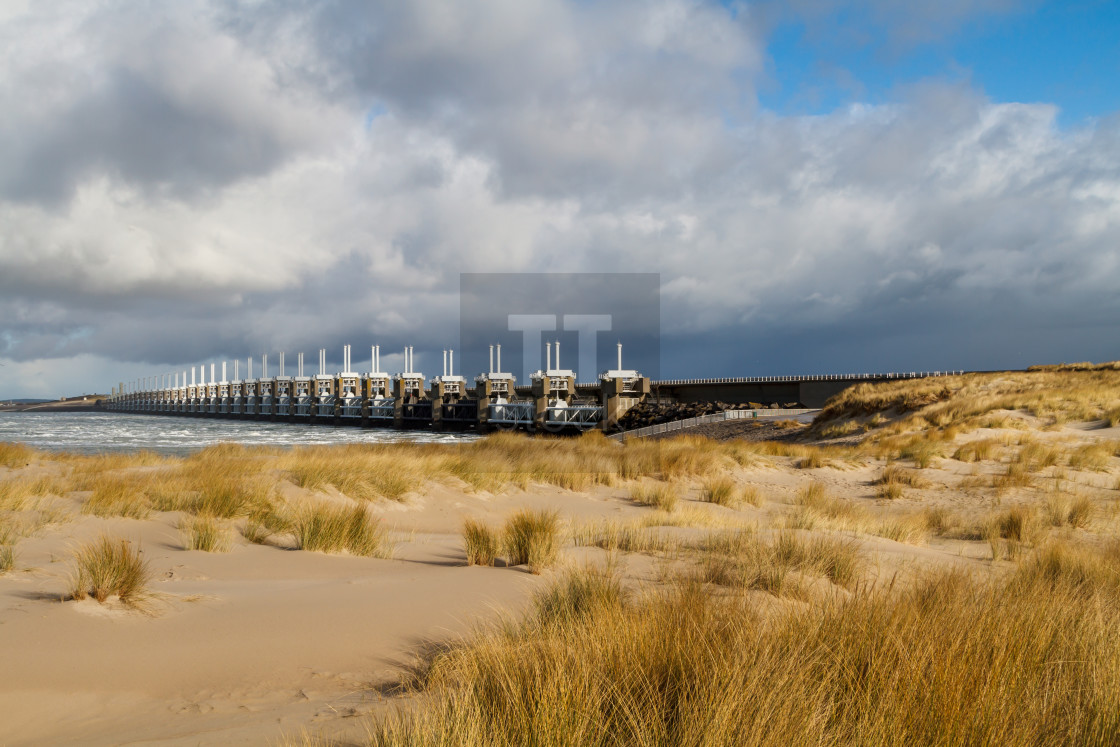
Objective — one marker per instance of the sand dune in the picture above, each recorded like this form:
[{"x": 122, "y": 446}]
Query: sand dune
[{"x": 264, "y": 642}]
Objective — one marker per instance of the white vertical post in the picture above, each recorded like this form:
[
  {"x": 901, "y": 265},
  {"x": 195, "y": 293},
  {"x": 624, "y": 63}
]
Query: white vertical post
[
  {"x": 557, "y": 355},
  {"x": 620, "y": 356},
  {"x": 451, "y": 362},
  {"x": 237, "y": 370},
  {"x": 499, "y": 358},
  {"x": 213, "y": 368},
  {"x": 547, "y": 357},
  {"x": 224, "y": 371},
  {"x": 445, "y": 364},
  {"x": 491, "y": 359},
  {"x": 249, "y": 363}
]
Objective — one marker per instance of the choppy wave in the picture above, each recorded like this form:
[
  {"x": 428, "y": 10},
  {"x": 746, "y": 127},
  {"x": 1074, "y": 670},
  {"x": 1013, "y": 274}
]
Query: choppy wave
[{"x": 92, "y": 432}]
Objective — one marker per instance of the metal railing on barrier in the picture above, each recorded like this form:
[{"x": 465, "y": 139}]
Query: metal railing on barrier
[{"x": 718, "y": 417}]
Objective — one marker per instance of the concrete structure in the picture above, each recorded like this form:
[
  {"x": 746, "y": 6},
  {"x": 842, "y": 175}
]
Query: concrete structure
[{"x": 553, "y": 400}]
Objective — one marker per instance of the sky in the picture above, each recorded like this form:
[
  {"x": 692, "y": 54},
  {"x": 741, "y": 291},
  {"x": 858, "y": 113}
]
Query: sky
[{"x": 823, "y": 187}]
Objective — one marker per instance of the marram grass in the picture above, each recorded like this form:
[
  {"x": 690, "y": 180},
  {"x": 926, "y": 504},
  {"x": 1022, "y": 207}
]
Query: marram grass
[
  {"x": 335, "y": 529},
  {"x": 109, "y": 567},
  {"x": 1025, "y": 660},
  {"x": 482, "y": 543}
]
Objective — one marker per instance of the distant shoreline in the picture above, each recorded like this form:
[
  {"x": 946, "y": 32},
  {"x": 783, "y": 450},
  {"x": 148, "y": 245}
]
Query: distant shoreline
[{"x": 55, "y": 407}]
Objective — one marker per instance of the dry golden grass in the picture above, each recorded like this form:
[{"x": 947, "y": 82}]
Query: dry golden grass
[
  {"x": 1056, "y": 395},
  {"x": 746, "y": 561},
  {"x": 1093, "y": 457},
  {"x": 266, "y": 521},
  {"x": 663, "y": 496},
  {"x": 980, "y": 450},
  {"x": 482, "y": 543},
  {"x": 532, "y": 538},
  {"x": 817, "y": 508},
  {"x": 1021, "y": 661},
  {"x": 1062, "y": 509},
  {"x": 1017, "y": 475},
  {"x": 722, "y": 491},
  {"x": 116, "y": 495},
  {"x": 581, "y": 593},
  {"x": 15, "y": 455},
  {"x": 336, "y": 529},
  {"x": 894, "y": 478},
  {"x": 17, "y": 494},
  {"x": 1012, "y": 531},
  {"x": 1035, "y": 456},
  {"x": 623, "y": 536},
  {"x": 205, "y": 533},
  {"x": 110, "y": 567},
  {"x": 7, "y": 557}
]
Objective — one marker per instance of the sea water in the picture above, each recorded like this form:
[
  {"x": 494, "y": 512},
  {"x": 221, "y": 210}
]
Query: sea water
[{"x": 94, "y": 432}]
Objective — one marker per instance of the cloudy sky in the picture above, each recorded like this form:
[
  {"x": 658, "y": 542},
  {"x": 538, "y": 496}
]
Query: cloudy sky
[{"x": 860, "y": 185}]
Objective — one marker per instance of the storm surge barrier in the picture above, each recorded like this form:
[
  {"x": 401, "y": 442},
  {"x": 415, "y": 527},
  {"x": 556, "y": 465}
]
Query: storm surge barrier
[{"x": 551, "y": 401}]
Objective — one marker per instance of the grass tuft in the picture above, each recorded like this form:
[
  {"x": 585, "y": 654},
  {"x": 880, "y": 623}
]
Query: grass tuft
[
  {"x": 108, "y": 567},
  {"x": 663, "y": 496},
  {"x": 532, "y": 538},
  {"x": 722, "y": 491},
  {"x": 7, "y": 558},
  {"x": 205, "y": 533},
  {"x": 580, "y": 594},
  {"x": 15, "y": 455},
  {"x": 481, "y": 542},
  {"x": 336, "y": 529}
]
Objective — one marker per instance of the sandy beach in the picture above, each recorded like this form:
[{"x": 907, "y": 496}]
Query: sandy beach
[{"x": 265, "y": 643}]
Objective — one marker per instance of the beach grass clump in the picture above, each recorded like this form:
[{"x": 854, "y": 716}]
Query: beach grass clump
[
  {"x": 816, "y": 508},
  {"x": 813, "y": 460},
  {"x": 1017, "y": 475},
  {"x": 482, "y": 543},
  {"x": 335, "y": 529},
  {"x": 1017, "y": 527},
  {"x": 110, "y": 567},
  {"x": 581, "y": 593},
  {"x": 722, "y": 491},
  {"x": 622, "y": 536},
  {"x": 205, "y": 533},
  {"x": 664, "y": 496},
  {"x": 15, "y": 455},
  {"x": 980, "y": 450},
  {"x": 532, "y": 538},
  {"x": 7, "y": 557},
  {"x": 1035, "y": 456},
  {"x": 911, "y": 529},
  {"x": 894, "y": 479},
  {"x": 948, "y": 660},
  {"x": 117, "y": 495},
  {"x": 364, "y": 472},
  {"x": 1092, "y": 457},
  {"x": 17, "y": 494},
  {"x": 1075, "y": 511},
  {"x": 745, "y": 560},
  {"x": 921, "y": 450}
]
